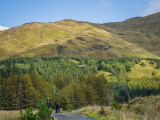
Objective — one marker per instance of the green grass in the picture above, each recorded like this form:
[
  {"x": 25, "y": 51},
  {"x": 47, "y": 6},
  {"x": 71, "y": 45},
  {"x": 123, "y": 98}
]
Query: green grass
[
  {"x": 98, "y": 117},
  {"x": 106, "y": 74},
  {"x": 139, "y": 71},
  {"x": 78, "y": 63}
]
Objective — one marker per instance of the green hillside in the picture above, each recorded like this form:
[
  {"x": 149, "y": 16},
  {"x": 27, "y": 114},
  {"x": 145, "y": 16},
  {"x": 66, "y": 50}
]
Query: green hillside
[
  {"x": 66, "y": 38},
  {"x": 142, "y": 31}
]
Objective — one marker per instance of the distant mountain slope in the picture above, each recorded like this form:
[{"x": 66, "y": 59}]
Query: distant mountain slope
[
  {"x": 142, "y": 31},
  {"x": 73, "y": 38}
]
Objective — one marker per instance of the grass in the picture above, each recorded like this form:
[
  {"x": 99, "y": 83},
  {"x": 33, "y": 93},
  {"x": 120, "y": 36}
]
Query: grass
[
  {"x": 139, "y": 71},
  {"x": 42, "y": 39},
  {"x": 9, "y": 115},
  {"x": 106, "y": 74},
  {"x": 13, "y": 114},
  {"x": 141, "y": 108},
  {"x": 93, "y": 112},
  {"x": 78, "y": 63},
  {"x": 136, "y": 31}
]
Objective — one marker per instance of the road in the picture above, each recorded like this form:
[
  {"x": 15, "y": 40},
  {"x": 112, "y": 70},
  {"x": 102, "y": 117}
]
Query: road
[{"x": 71, "y": 116}]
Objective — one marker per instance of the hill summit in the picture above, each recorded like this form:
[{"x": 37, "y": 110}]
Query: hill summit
[{"x": 130, "y": 38}]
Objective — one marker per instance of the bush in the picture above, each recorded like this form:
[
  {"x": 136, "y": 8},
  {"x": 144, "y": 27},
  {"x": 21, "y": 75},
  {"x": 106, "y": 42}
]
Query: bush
[
  {"x": 28, "y": 115},
  {"x": 102, "y": 111},
  {"x": 143, "y": 64},
  {"x": 44, "y": 113},
  {"x": 116, "y": 106},
  {"x": 151, "y": 62},
  {"x": 128, "y": 105},
  {"x": 158, "y": 66}
]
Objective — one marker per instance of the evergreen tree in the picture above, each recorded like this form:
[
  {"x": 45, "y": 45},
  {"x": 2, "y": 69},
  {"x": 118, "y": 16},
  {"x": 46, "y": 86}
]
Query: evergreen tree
[
  {"x": 30, "y": 95},
  {"x": 65, "y": 103},
  {"x": 1, "y": 96}
]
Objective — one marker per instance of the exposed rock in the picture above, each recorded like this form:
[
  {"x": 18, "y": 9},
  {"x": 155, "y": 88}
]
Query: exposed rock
[
  {"x": 60, "y": 49},
  {"x": 97, "y": 40},
  {"x": 80, "y": 38},
  {"x": 55, "y": 40},
  {"x": 148, "y": 36},
  {"x": 121, "y": 34},
  {"x": 70, "y": 42},
  {"x": 94, "y": 47}
]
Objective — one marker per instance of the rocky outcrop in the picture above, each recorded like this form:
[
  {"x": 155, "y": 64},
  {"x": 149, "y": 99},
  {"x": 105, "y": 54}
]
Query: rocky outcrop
[
  {"x": 95, "y": 47},
  {"x": 61, "y": 49}
]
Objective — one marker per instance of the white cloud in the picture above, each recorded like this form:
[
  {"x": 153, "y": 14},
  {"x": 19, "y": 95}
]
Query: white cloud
[
  {"x": 3, "y": 28},
  {"x": 152, "y": 7}
]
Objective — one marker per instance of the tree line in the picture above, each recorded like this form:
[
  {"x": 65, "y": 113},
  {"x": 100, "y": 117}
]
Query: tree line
[{"x": 25, "y": 81}]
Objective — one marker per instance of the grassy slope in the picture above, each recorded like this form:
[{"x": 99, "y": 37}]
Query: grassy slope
[
  {"x": 139, "y": 71},
  {"x": 65, "y": 38},
  {"x": 141, "y": 108},
  {"x": 142, "y": 31}
]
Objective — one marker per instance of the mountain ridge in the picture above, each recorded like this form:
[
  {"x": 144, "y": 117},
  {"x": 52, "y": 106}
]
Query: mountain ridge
[
  {"x": 142, "y": 31},
  {"x": 69, "y": 38}
]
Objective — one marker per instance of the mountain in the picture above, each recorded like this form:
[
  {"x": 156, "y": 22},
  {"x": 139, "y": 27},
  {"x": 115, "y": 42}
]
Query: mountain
[
  {"x": 142, "y": 31},
  {"x": 136, "y": 37}
]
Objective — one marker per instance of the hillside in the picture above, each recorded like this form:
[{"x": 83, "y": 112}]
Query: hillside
[
  {"x": 66, "y": 38},
  {"x": 142, "y": 31},
  {"x": 140, "y": 108}
]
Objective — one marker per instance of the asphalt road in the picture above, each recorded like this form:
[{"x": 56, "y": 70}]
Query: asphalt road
[{"x": 70, "y": 116}]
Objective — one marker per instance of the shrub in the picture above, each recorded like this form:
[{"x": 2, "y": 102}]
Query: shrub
[
  {"x": 143, "y": 64},
  {"x": 151, "y": 62},
  {"x": 44, "y": 113},
  {"x": 158, "y": 66},
  {"x": 116, "y": 106},
  {"x": 128, "y": 105},
  {"x": 102, "y": 111},
  {"x": 28, "y": 115}
]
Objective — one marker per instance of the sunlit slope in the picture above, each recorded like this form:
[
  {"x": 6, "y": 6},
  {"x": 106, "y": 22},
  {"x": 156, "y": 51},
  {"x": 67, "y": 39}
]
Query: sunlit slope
[
  {"x": 142, "y": 31},
  {"x": 144, "y": 69},
  {"x": 65, "y": 38}
]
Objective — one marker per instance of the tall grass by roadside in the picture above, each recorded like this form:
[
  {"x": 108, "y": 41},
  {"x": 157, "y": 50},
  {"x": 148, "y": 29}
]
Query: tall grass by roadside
[
  {"x": 93, "y": 111},
  {"x": 140, "y": 108},
  {"x": 9, "y": 115}
]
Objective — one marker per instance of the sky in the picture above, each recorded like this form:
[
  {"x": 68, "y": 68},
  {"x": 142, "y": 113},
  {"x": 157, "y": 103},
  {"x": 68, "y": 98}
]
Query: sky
[{"x": 17, "y": 12}]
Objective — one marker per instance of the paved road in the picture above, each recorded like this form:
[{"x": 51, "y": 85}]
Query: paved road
[{"x": 70, "y": 116}]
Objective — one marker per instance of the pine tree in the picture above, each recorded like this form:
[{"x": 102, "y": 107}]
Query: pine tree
[
  {"x": 91, "y": 95},
  {"x": 59, "y": 82},
  {"x": 1, "y": 95},
  {"x": 29, "y": 94},
  {"x": 68, "y": 79},
  {"x": 78, "y": 97},
  {"x": 65, "y": 103},
  {"x": 14, "y": 101}
]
